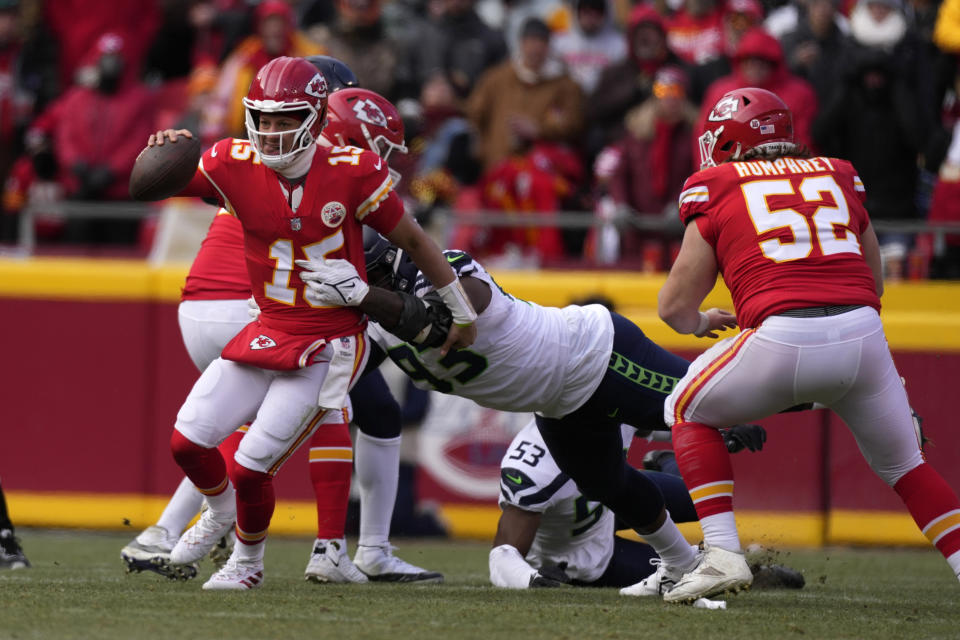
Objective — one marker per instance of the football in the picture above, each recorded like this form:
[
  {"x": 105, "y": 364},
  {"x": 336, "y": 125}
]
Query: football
[{"x": 162, "y": 171}]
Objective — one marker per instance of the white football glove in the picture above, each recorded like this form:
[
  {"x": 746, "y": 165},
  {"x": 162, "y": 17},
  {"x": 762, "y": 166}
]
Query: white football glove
[
  {"x": 332, "y": 283},
  {"x": 253, "y": 309}
]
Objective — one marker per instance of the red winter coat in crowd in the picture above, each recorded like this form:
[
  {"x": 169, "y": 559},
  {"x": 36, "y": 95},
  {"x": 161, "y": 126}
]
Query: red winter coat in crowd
[{"x": 78, "y": 24}]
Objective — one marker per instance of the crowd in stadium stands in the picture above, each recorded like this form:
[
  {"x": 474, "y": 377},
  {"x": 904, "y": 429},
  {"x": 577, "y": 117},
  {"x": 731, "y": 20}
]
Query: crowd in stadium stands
[{"x": 524, "y": 106}]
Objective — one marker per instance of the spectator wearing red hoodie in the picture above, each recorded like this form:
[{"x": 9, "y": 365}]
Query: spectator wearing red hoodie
[
  {"x": 759, "y": 62},
  {"x": 77, "y": 25},
  {"x": 95, "y": 159},
  {"x": 88, "y": 139}
]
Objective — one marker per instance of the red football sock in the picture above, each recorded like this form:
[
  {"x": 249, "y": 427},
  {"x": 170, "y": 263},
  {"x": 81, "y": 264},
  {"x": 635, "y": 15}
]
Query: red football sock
[
  {"x": 331, "y": 465},
  {"x": 933, "y": 505},
  {"x": 705, "y": 466},
  {"x": 228, "y": 448},
  {"x": 255, "y": 503},
  {"x": 205, "y": 467}
]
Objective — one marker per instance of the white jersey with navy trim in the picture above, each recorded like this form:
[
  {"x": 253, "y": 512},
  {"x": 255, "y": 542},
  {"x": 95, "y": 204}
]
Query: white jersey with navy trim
[
  {"x": 572, "y": 529},
  {"x": 525, "y": 358}
]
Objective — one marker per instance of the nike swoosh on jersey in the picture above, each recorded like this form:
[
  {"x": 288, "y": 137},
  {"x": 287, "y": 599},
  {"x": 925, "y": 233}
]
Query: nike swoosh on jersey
[
  {"x": 379, "y": 164},
  {"x": 518, "y": 479}
]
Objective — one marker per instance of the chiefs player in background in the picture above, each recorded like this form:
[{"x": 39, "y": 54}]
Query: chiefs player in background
[
  {"x": 214, "y": 308},
  {"x": 793, "y": 241},
  {"x": 297, "y": 362}
]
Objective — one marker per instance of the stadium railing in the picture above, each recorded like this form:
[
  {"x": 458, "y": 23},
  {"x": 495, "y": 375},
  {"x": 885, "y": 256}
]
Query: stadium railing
[{"x": 26, "y": 243}]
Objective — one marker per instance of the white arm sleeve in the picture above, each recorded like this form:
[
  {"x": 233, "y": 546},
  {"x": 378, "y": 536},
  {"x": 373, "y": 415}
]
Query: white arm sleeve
[{"x": 509, "y": 569}]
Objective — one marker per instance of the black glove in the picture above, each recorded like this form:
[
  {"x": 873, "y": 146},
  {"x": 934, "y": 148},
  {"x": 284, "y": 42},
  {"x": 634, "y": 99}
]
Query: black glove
[
  {"x": 439, "y": 320},
  {"x": 744, "y": 436},
  {"x": 550, "y": 576}
]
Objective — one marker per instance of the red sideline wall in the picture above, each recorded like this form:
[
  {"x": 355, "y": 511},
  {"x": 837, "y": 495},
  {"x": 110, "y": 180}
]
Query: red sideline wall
[{"x": 94, "y": 373}]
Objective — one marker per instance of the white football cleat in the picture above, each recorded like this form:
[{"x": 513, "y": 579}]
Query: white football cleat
[
  {"x": 201, "y": 538},
  {"x": 236, "y": 575},
  {"x": 329, "y": 562},
  {"x": 657, "y": 583},
  {"x": 150, "y": 551},
  {"x": 380, "y": 565},
  {"x": 719, "y": 571}
]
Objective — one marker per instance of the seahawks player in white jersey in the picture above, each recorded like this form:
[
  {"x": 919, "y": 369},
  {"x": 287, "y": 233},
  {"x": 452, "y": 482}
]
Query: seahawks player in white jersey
[
  {"x": 583, "y": 370},
  {"x": 549, "y": 531},
  {"x": 550, "y": 534}
]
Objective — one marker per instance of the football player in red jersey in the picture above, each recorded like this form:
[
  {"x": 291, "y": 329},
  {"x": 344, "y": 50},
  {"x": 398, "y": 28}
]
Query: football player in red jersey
[
  {"x": 214, "y": 308},
  {"x": 793, "y": 241},
  {"x": 294, "y": 199}
]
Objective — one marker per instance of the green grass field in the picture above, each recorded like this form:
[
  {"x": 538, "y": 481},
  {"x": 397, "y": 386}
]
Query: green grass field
[{"x": 77, "y": 589}]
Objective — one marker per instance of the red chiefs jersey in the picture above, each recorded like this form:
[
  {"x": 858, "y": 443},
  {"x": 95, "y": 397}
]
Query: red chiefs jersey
[
  {"x": 219, "y": 272},
  {"x": 785, "y": 233},
  {"x": 345, "y": 188}
]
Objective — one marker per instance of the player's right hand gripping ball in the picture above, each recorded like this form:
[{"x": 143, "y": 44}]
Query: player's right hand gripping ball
[{"x": 162, "y": 171}]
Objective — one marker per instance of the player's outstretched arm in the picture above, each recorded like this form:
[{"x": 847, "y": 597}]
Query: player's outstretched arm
[
  {"x": 691, "y": 278},
  {"x": 430, "y": 260}
]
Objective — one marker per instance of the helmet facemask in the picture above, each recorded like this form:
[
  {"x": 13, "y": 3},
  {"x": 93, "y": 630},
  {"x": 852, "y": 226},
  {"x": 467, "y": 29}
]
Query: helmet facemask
[
  {"x": 383, "y": 147},
  {"x": 291, "y": 143}
]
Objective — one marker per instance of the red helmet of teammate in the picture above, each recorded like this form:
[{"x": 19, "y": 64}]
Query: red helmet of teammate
[
  {"x": 290, "y": 86},
  {"x": 363, "y": 118},
  {"x": 742, "y": 120}
]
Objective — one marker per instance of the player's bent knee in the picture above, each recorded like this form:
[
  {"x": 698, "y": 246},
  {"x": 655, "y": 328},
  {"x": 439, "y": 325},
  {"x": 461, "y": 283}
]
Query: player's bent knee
[
  {"x": 184, "y": 448},
  {"x": 206, "y": 436},
  {"x": 258, "y": 451},
  {"x": 891, "y": 474}
]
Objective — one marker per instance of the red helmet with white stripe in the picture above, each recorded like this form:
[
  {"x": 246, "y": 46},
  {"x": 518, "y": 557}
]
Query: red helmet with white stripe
[
  {"x": 294, "y": 87},
  {"x": 363, "y": 118},
  {"x": 743, "y": 120}
]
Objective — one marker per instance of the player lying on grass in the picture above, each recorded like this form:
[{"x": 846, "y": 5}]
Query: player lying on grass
[{"x": 550, "y": 534}]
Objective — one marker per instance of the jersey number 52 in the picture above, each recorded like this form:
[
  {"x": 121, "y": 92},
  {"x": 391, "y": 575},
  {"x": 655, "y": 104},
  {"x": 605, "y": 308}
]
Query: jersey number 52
[{"x": 821, "y": 228}]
